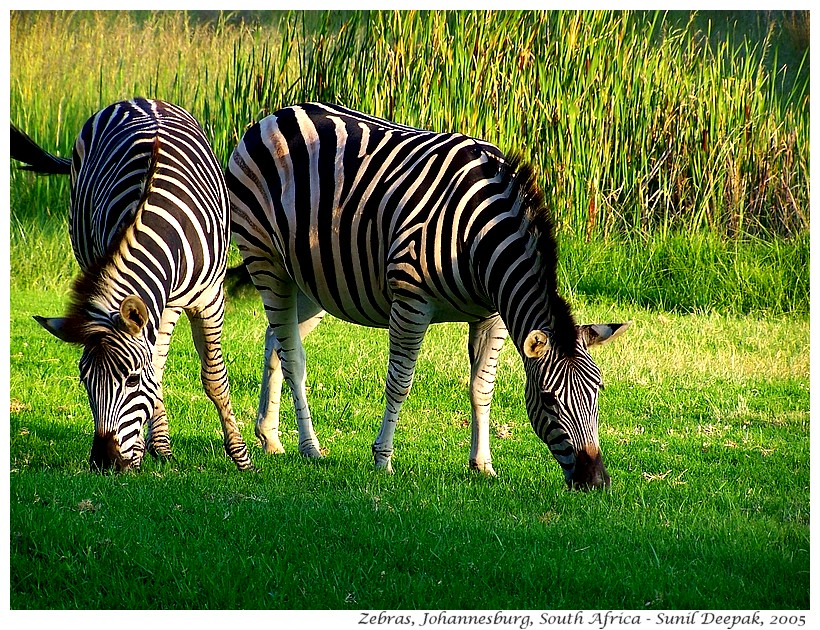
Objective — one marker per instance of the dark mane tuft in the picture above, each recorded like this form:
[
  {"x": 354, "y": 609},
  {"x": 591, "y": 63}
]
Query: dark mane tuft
[{"x": 538, "y": 219}]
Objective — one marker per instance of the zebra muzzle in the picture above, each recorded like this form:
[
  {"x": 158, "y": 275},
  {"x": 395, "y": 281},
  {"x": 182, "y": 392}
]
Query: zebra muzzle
[
  {"x": 589, "y": 472},
  {"x": 106, "y": 455}
]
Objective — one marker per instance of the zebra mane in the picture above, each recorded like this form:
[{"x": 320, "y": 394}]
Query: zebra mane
[
  {"x": 91, "y": 282},
  {"x": 539, "y": 223}
]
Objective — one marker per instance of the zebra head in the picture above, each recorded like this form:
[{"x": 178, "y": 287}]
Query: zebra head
[
  {"x": 562, "y": 401},
  {"x": 118, "y": 374}
]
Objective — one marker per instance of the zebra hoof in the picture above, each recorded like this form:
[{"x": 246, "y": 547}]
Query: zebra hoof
[
  {"x": 160, "y": 451},
  {"x": 241, "y": 459},
  {"x": 384, "y": 465},
  {"x": 486, "y": 468},
  {"x": 383, "y": 459},
  {"x": 271, "y": 446},
  {"x": 237, "y": 450},
  {"x": 311, "y": 450},
  {"x": 244, "y": 464}
]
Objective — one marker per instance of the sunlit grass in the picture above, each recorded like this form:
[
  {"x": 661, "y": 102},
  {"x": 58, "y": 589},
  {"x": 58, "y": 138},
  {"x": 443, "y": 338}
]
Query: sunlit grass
[
  {"x": 704, "y": 425},
  {"x": 678, "y": 173}
]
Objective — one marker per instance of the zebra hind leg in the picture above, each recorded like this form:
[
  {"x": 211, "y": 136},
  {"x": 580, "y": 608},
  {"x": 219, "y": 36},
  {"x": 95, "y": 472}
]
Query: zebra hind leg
[
  {"x": 158, "y": 442},
  {"x": 206, "y": 329},
  {"x": 267, "y": 417},
  {"x": 270, "y": 398},
  {"x": 288, "y": 346},
  {"x": 281, "y": 298}
]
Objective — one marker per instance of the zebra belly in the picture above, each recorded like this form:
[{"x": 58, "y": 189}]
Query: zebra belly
[
  {"x": 329, "y": 291},
  {"x": 366, "y": 296},
  {"x": 435, "y": 311}
]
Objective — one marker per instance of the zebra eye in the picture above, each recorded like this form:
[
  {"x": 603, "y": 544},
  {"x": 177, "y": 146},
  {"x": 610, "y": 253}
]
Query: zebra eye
[
  {"x": 132, "y": 381},
  {"x": 548, "y": 399}
]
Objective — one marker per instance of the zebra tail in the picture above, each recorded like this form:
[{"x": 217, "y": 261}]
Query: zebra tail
[{"x": 24, "y": 149}]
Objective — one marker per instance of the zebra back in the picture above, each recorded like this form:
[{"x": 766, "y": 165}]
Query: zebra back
[
  {"x": 363, "y": 210},
  {"x": 149, "y": 211}
]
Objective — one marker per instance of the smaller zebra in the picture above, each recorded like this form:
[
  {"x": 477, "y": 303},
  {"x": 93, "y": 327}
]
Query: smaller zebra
[{"x": 149, "y": 226}]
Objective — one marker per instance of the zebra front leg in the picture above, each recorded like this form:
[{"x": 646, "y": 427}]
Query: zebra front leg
[
  {"x": 267, "y": 417},
  {"x": 486, "y": 340},
  {"x": 406, "y": 336},
  {"x": 158, "y": 441},
  {"x": 206, "y": 329}
]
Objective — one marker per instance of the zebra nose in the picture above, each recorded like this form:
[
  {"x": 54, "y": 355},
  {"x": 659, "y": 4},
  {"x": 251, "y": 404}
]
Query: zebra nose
[
  {"x": 105, "y": 453},
  {"x": 589, "y": 472}
]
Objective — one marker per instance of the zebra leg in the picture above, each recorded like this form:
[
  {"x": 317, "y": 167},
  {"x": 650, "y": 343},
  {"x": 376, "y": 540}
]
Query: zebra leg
[
  {"x": 406, "y": 336},
  {"x": 158, "y": 441},
  {"x": 206, "y": 329},
  {"x": 270, "y": 399},
  {"x": 267, "y": 417},
  {"x": 284, "y": 341},
  {"x": 486, "y": 340}
]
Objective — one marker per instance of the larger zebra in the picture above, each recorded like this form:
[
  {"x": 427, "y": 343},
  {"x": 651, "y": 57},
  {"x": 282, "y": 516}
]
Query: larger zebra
[
  {"x": 149, "y": 226},
  {"x": 391, "y": 226}
]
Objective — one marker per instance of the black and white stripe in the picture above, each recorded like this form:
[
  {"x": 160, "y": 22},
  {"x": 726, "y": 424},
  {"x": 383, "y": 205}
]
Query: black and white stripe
[
  {"x": 386, "y": 225},
  {"x": 149, "y": 226}
]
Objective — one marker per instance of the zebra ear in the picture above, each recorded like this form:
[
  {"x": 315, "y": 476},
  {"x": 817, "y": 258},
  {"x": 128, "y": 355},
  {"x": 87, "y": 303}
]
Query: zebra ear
[
  {"x": 133, "y": 315},
  {"x": 536, "y": 344},
  {"x": 60, "y": 327},
  {"x": 599, "y": 334}
]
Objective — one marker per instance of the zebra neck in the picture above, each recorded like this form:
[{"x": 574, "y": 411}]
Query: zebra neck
[
  {"x": 526, "y": 298},
  {"x": 101, "y": 303},
  {"x": 527, "y": 311}
]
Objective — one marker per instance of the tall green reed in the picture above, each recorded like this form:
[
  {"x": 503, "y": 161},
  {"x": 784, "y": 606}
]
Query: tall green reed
[{"x": 636, "y": 124}]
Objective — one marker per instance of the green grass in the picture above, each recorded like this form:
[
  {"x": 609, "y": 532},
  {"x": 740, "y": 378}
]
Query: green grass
[
  {"x": 674, "y": 151},
  {"x": 704, "y": 426},
  {"x": 637, "y": 122},
  {"x": 691, "y": 273}
]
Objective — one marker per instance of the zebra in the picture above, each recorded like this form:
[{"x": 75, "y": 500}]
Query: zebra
[
  {"x": 385, "y": 225},
  {"x": 149, "y": 226}
]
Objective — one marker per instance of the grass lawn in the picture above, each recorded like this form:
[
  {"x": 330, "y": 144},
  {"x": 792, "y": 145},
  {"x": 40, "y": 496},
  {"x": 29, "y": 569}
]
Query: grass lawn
[
  {"x": 704, "y": 429},
  {"x": 678, "y": 173}
]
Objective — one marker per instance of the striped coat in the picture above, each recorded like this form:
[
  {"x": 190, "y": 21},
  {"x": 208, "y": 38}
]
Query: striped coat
[
  {"x": 149, "y": 226},
  {"x": 386, "y": 225}
]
